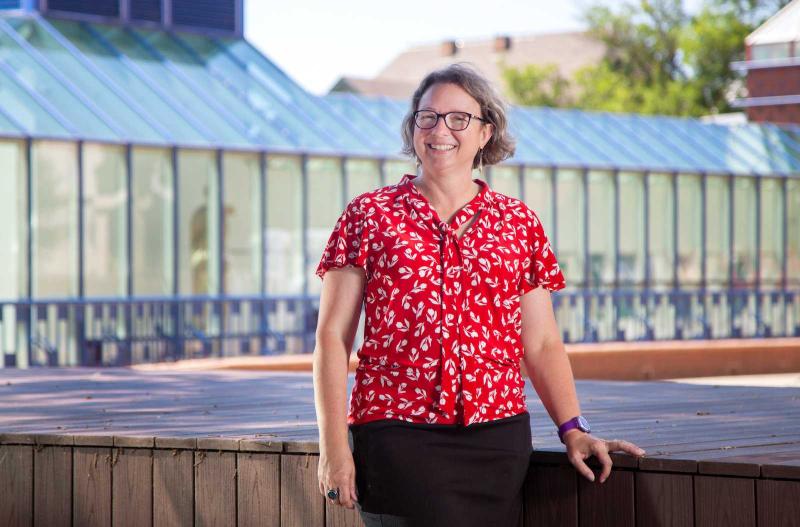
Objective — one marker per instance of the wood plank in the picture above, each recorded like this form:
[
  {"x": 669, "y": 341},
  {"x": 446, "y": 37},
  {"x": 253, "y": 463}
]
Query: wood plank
[
  {"x": 338, "y": 516},
  {"x": 259, "y": 485},
  {"x": 551, "y": 497},
  {"x": 173, "y": 488},
  {"x": 610, "y": 503},
  {"x": 663, "y": 417},
  {"x": 302, "y": 505},
  {"x": 52, "y": 486},
  {"x": 724, "y": 502},
  {"x": 132, "y": 488},
  {"x": 214, "y": 488},
  {"x": 91, "y": 501},
  {"x": 16, "y": 482},
  {"x": 664, "y": 499},
  {"x": 778, "y": 503}
]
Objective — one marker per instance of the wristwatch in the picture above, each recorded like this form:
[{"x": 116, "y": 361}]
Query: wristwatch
[{"x": 576, "y": 422}]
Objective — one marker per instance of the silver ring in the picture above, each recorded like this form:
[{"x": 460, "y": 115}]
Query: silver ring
[{"x": 333, "y": 494}]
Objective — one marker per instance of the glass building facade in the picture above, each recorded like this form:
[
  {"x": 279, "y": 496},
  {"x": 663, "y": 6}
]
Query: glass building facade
[{"x": 168, "y": 195}]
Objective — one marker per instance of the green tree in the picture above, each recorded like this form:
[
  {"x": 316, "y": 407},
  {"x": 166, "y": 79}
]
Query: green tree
[
  {"x": 538, "y": 85},
  {"x": 658, "y": 59}
]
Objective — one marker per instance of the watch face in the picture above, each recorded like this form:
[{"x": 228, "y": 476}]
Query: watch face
[{"x": 583, "y": 424}]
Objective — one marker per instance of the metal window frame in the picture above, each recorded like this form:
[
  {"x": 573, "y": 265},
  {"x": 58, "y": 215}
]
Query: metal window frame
[
  {"x": 232, "y": 121},
  {"x": 201, "y": 129},
  {"x": 104, "y": 79}
]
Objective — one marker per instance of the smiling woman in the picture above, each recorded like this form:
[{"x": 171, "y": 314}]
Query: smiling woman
[{"x": 454, "y": 279}]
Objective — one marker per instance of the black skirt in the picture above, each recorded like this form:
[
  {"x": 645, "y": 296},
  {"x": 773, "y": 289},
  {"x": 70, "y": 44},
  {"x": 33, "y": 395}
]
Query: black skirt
[{"x": 443, "y": 474}]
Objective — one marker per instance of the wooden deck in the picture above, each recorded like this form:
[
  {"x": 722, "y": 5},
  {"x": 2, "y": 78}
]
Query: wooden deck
[{"x": 125, "y": 447}]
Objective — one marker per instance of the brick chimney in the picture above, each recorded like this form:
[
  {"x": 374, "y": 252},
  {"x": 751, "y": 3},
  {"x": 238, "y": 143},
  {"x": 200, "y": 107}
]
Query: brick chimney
[
  {"x": 449, "y": 48},
  {"x": 502, "y": 43}
]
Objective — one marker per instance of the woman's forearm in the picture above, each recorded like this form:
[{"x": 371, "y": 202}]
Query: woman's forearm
[
  {"x": 330, "y": 365},
  {"x": 551, "y": 375}
]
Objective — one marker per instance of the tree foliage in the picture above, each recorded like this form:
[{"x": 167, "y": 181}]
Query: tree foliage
[{"x": 658, "y": 60}]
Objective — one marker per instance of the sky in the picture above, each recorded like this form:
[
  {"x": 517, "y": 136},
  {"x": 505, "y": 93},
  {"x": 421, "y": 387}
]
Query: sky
[{"x": 317, "y": 41}]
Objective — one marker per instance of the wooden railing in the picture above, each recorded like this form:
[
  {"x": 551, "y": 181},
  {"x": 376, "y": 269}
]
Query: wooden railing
[{"x": 53, "y": 480}]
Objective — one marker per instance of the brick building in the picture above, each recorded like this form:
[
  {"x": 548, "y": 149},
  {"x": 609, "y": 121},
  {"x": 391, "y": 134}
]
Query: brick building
[{"x": 772, "y": 65}]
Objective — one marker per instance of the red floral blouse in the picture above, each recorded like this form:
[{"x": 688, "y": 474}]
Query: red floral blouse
[{"x": 442, "y": 314}]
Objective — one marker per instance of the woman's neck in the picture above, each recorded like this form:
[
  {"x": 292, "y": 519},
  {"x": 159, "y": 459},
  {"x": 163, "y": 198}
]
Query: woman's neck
[{"x": 447, "y": 193}]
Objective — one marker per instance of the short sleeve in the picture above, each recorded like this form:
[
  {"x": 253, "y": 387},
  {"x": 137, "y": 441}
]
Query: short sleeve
[
  {"x": 539, "y": 267},
  {"x": 348, "y": 244}
]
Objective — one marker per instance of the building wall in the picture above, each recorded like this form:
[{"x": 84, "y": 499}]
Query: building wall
[
  {"x": 785, "y": 113},
  {"x": 763, "y": 82}
]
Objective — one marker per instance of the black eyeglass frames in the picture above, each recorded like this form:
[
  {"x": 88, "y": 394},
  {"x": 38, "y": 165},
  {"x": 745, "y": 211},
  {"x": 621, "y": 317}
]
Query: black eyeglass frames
[{"x": 456, "y": 121}]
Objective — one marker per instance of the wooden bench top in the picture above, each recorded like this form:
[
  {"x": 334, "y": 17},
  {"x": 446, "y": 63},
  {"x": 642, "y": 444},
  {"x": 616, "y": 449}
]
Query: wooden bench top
[{"x": 688, "y": 428}]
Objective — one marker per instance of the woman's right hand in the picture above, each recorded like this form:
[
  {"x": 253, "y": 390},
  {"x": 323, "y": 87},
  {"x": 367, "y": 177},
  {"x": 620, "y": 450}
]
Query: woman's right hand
[{"x": 337, "y": 470}]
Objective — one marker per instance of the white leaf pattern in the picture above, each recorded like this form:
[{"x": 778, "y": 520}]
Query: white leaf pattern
[{"x": 442, "y": 337}]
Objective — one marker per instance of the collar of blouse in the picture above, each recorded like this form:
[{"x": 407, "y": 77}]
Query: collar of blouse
[{"x": 422, "y": 209}]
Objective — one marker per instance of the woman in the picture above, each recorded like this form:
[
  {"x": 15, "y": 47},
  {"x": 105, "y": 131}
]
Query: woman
[{"x": 455, "y": 280}]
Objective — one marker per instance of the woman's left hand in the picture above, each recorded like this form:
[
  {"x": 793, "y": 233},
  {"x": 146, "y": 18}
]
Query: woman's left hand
[{"x": 581, "y": 446}]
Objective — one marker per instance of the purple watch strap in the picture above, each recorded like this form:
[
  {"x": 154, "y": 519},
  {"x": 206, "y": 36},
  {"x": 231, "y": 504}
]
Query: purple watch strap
[{"x": 576, "y": 422}]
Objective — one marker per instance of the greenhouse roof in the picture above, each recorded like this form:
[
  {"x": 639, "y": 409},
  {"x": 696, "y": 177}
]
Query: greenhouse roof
[{"x": 64, "y": 79}]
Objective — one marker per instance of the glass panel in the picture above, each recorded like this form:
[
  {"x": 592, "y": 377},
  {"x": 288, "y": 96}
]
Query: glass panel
[
  {"x": 394, "y": 170},
  {"x": 185, "y": 94},
  {"x": 324, "y": 208},
  {"x": 54, "y": 218},
  {"x": 125, "y": 117},
  {"x": 6, "y": 126},
  {"x": 546, "y": 149},
  {"x": 570, "y": 247},
  {"x": 690, "y": 217},
  {"x": 565, "y": 139},
  {"x": 20, "y": 106},
  {"x": 50, "y": 88},
  {"x": 242, "y": 180},
  {"x": 771, "y": 257},
  {"x": 264, "y": 95},
  {"x": 673, "y": 132},
  {"x": 153, "y": 202},
  {"x": 253, "y": 126},
  {"x": 793, "y": 231},
  {"x": 770, "y": 148},
  {"x": 584, "y": 130},
  {"x": 744, "y": 234},
  {"x": 601, "y": 227},
  {"x": 661, "y": 229},
  {"x": 198, "y": 223},
  {"x": 505, "y": 180},
  {"x": 284, "y": 88},
  {"x": 284, "y": 225},
  {"x": 718, "y": 211},
  {"x": 631, "y": 228},
  {"x": 105, "y": 226},
  {"x": 116, "y": 68},
  {"x": 778, "y": 50},
  {"x": 353, "y": 111},
  {"x": 631, "y": 149},
  {"x": 719, "y": 142},
  {"x": 363, "y": 175},
  {"x": 14, "y": 219},
  {"x": 538, "y": 184}
]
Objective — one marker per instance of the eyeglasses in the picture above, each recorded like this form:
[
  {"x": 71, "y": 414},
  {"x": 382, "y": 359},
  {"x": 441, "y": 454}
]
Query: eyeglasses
[{"x": 456, "y": 121}]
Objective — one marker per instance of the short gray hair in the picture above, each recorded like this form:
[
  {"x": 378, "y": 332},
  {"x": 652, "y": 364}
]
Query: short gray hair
[{"x": 501, "y": 145}]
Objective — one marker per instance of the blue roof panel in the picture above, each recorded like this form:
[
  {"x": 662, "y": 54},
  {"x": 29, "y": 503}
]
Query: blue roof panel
[{"x": 100, "y": 82}]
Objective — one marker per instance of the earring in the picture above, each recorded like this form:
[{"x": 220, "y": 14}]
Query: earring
[
  {"x": 416, "y": 169},
  {"x": 480, "y": 162}
]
